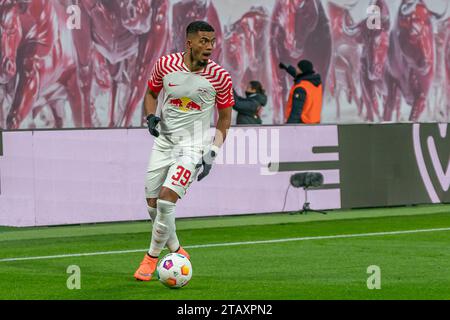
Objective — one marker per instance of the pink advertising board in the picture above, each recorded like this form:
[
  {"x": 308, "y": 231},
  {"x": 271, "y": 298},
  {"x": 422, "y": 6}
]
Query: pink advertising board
[{"x": 88, "y": 176}]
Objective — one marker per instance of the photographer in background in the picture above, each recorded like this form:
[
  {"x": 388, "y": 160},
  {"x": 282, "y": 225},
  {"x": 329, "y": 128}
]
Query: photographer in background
[
  {"x": 305, "y": 98},
  {"x": 250, "y": 108}
]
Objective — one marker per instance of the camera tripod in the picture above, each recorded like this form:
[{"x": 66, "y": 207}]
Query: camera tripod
[{"x": 306, "y": 208}]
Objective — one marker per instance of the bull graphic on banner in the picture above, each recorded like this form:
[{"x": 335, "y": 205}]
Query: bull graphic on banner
[{"x": 84, "y": 63}]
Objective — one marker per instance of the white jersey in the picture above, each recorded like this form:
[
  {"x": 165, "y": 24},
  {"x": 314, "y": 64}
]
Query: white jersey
[{"x": 189, "y": 100}]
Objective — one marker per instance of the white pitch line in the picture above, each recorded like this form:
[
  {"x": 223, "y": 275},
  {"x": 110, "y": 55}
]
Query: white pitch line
[{"x": 229, "y": 244}]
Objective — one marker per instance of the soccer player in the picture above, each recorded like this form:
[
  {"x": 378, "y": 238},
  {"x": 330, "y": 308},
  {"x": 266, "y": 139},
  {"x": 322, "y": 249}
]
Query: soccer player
[{"x": 193, "y": 86}]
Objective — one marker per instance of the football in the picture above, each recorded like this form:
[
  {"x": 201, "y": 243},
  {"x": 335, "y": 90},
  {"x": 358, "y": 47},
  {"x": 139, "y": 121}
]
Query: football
[{"x": 174, "y": 270}]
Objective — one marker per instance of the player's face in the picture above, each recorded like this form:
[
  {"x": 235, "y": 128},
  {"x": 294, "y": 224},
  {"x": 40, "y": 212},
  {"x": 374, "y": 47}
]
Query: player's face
[{"x": 201, "y": 46}]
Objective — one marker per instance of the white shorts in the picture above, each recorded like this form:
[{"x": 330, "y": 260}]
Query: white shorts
[{"x": 173, "y": 171}]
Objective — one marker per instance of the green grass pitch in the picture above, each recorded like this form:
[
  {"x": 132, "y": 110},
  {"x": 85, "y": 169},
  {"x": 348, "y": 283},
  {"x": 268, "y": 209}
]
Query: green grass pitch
[{"x": 310, "y": 265}]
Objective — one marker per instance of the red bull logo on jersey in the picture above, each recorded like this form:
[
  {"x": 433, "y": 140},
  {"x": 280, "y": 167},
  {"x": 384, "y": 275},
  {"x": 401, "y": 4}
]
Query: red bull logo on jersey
[{"x": 185, "y": 104}]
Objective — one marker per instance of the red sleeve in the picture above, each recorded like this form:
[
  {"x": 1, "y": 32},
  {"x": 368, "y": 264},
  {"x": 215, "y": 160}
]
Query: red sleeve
[
  {"x": 224, "y": 96},
  {"x": 155, "y": 83}
]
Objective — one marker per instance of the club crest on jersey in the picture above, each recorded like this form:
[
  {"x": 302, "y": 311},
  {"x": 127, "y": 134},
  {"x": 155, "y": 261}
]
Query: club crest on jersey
[
  {"x": 204, "y": 94},
  {"x": 185, "y": 104}
]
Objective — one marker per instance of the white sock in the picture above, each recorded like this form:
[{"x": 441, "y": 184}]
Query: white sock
[
  {"x": 163, "y": 225},
  {"x": 172, "y": 243},
  {"x": 152, "y": 213}
]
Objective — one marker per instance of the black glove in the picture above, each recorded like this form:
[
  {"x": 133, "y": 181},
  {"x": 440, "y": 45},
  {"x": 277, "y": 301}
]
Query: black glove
[
  {"x": 152, "y": 122},
  {"x": 289, "y": 69},
  {"x": 282, "y": 66},
  {"x": 207, "y": 161}
]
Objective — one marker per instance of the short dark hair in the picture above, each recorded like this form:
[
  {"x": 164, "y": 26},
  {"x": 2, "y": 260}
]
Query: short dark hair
[
  {"x": 306, "y": 66},
  {"x": 256, "y": 85},
  {"x": 197, "y": 26}
]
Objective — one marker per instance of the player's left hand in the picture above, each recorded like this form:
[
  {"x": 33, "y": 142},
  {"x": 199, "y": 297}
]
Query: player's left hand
[
  {"x": 152, "y": 122},
  {"x": 207, "y": 161}
]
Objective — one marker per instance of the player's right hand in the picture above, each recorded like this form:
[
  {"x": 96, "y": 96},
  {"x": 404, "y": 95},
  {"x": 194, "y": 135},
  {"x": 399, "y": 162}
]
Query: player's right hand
[
  {"x": 207, "y": 161},
  {"x": 152, "y": 122}
]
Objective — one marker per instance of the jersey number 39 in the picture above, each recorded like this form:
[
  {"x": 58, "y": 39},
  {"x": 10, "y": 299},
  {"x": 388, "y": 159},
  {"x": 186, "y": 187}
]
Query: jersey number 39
[{"x": 182, "y": 175}]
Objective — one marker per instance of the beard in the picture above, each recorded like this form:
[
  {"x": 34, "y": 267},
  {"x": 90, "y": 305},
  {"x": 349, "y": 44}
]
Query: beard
[
  {"x": 202, "y": 63},
  {"x": 199, "y": 63}
]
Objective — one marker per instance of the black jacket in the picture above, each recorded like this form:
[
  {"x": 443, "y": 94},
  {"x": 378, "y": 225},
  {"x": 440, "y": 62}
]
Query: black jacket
[
  {"x": 298, "y": 100},
  {"x": 247, "y": 108}
]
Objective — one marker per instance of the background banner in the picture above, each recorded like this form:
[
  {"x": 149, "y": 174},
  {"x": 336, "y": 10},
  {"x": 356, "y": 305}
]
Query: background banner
[{"x": 84, "y": 63}]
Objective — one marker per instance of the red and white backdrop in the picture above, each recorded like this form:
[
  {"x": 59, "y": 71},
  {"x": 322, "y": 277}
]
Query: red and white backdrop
[{"x": 52, "y": 76}]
